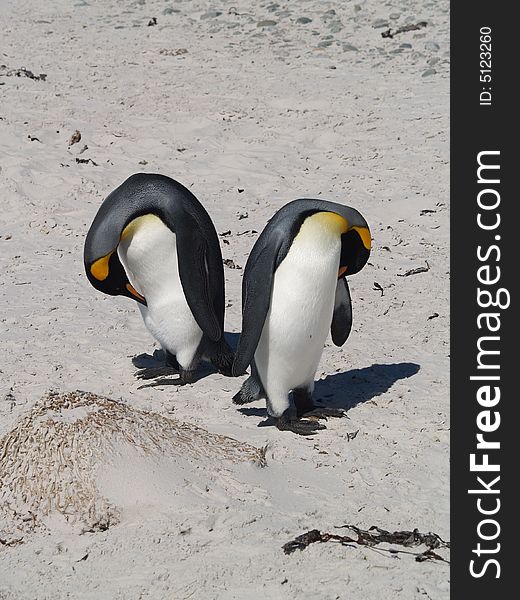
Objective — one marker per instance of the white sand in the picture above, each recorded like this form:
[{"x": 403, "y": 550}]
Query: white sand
[{"x": 278, "y": 113}]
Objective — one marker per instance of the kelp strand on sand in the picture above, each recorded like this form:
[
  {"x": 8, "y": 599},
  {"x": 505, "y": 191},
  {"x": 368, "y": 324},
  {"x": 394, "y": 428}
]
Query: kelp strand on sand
[{"x": 373, "y": 537}]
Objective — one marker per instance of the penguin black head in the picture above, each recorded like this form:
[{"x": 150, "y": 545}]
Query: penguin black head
[
  {"x": 108, "y": 275},
  {"x": 355, "y": 250},
  {"x": 354, "y": 231}
]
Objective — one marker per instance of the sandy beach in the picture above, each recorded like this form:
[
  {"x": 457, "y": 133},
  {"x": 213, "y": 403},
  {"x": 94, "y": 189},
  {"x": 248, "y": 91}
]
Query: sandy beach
[{"x": 249, "y": 105}]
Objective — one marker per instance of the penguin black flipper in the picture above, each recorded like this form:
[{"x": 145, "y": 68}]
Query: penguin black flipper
[
  {"x": 256, "y": 298},
  {"x": 194, "y": 272},
  {"x": 342, "y": 316},
  {"x": 212, "y": 272}
]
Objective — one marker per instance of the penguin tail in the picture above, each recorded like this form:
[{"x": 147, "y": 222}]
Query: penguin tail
[
  {"x": 222, "y": 357},
  {"x": 250, "y": 391}
]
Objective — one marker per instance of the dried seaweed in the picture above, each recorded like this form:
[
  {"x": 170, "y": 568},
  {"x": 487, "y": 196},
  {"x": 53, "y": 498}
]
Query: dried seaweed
[
  {"x": 390, "y": 34},
  {"x": 379, "y": 288},
  {"x": 22, "y": 72},
  {"x": 231, "y": 264},
  {"x": 11, "y": 542},
  {"x": 174, "y": 52},
  {"x": 75, "y": 138},
  {"x": 85, "y": 161},
  {"x": 373, "y": 537},
  {"x": 49, "y": 460},
  {"x": 306, "y": 539},
  {"x": 415, "y": 271}
]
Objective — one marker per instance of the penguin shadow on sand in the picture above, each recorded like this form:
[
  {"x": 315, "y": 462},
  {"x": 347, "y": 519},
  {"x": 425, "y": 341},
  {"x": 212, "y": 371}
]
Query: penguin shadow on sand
[
  {"x": 155, "y": 365},
  {"x": 350, "y": 388}
]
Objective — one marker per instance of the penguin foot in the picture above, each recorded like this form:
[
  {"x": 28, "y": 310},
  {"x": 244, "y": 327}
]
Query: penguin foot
[
  {"x": 299, "y": 426},
  {"x": 223, "y": 369},
  {"x": 305, "y": 406},
  {"x": 240, "y": 398},
  {"x": 153, "y": 372},
  {"x": 159, "y": 382},
  {"x": 223, "y": 363},
  {"x": 250, "y": 391},
  {"x": 324, "y": 413},
  {"x": 184, "y": 378},
  {"x": 221, "y": 357}
]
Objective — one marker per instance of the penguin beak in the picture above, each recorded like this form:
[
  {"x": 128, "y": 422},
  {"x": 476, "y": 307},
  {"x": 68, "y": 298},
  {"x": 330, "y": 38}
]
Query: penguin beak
[
  {"x": 342, "y": 271},
  {"x": 135, "y": 293}
]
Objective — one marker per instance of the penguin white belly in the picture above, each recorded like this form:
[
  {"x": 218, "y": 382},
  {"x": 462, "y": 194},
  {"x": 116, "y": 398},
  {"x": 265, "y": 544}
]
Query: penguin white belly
[
  {"x": 299, "y": 318},
  {"x": 148, "y": 252}
]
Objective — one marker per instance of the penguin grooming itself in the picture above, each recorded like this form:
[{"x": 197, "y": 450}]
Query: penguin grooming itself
[
  {"x": 293, "y": 291},
  {"x": 152, "y": 240}
]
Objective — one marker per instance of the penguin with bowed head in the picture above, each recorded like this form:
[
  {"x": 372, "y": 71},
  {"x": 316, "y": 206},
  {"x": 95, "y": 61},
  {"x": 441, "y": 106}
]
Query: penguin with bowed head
[
  {"x": 152, "y": 241},
  {"x": 294, "y": 291}
]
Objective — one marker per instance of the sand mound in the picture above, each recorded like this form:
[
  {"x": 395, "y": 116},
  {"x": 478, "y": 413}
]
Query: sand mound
[{"x": 85, "y": 457}]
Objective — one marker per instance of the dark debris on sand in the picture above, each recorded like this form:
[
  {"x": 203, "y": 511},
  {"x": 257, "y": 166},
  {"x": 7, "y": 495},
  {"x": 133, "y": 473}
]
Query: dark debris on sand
[
  {"x": 390, "y": 34},
  {"x": 373, "y": 537},
  {"x": 22, "y": 72}
]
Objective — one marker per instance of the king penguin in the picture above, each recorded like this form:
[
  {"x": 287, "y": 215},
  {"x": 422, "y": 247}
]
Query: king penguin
[
  {"x": 294, "y": 291},
  {"x": 152, "y": 240}
]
